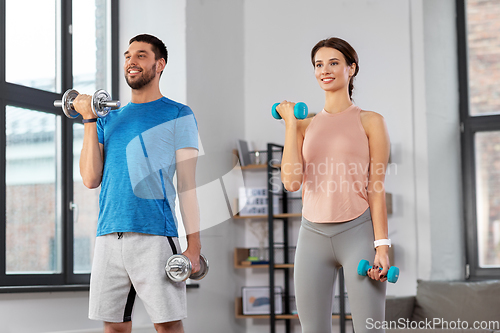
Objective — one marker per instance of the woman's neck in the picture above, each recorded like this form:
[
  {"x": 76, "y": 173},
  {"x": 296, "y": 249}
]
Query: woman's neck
[{"x": 337, "y": 101}]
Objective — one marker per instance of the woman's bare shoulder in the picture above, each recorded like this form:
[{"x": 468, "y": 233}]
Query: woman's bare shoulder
[
  {"x": 370, "y": 115},
  {"x": 372, "y": 121}
]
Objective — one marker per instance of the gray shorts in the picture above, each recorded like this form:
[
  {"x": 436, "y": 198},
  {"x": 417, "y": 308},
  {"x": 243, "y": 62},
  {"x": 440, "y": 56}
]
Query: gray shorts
[{"x": 130, "y": 264}]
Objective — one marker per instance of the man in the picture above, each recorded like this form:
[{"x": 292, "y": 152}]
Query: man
[{"x": 133, "y": 154}]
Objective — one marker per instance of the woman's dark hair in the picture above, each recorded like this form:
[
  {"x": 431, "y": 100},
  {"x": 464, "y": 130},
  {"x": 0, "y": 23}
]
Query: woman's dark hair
[
  {"x": 350, "y": 55},
  {"x": 158, "y": 47}
]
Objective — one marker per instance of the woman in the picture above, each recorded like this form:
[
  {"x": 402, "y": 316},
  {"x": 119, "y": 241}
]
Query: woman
[{"x": 339, "y": 157}]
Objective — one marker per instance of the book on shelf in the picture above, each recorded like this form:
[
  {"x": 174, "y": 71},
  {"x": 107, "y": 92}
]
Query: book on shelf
[{"x": 243, "y": 152}]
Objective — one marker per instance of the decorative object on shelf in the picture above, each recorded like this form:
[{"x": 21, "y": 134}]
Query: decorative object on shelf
[
  {"x": 279, "y": 254},
  {"x": 256, "y": 300},
  {"x": 260, "y": 230},
  {"x": 243, "y": 152},
  {"x": 257, "y": 157},
  {"x": 254, "y": 260}
]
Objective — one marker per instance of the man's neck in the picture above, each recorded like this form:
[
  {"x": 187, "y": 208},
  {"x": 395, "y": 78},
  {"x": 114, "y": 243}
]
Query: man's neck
[{"x": 146, "y": 94}]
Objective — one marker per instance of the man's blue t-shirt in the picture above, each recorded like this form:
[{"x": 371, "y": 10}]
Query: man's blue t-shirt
[{"x": 137, "y": 190}]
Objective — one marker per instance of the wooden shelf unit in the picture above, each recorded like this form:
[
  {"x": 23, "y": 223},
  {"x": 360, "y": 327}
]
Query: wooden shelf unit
[
  {"x": 259, "y": 166},
  {"x": 242, "y": 254}
]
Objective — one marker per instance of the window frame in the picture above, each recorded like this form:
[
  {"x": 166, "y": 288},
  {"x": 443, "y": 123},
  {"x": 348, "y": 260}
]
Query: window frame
[
  {"x": 470, "y": 125},
  {"x": 26, "y": 97}
]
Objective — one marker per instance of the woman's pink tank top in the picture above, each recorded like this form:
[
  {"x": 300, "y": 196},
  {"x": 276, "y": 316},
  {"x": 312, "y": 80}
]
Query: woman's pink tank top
[{"x": 336, "y": 158}]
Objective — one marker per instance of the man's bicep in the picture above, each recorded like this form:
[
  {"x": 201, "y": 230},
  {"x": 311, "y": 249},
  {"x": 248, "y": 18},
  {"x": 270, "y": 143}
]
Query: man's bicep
[{"x": 185, "y": 154}]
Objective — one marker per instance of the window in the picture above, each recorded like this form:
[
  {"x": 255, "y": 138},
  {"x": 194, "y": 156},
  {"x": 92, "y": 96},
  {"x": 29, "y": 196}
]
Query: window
[
  {"x": 479, "y": 59},
  {"x": 85, "y": 209},
  {"x": 48, "y": 230},
  {"x": 33, "y": 243},
  {"x": 26, "y": 34}
]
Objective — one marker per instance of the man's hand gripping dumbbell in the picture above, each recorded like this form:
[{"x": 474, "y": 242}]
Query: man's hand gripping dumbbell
[
  {"x": 179, "y": 268},
  {"x": 90, "y": 107}
]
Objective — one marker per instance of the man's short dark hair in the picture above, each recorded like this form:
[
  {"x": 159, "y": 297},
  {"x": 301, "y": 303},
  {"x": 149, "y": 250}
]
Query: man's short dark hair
[{"x": 158, "y": 47}]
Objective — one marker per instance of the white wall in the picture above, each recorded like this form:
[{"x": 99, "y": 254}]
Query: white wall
[
  {"x": 167, "y": 21},
  {"x": 215, "y": 93},
  {"x": 443, "y": 124}
]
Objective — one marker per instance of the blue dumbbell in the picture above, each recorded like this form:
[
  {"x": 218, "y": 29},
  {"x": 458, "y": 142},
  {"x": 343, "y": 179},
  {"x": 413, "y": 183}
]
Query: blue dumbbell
[
  {"x": 299, "y": 110},
  {"x": 392, "y": 274}
]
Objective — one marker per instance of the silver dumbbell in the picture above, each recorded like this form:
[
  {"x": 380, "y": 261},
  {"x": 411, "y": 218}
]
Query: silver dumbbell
[
  {"x": 179, "y": 268},
  {"x": 101, "y": 103}
]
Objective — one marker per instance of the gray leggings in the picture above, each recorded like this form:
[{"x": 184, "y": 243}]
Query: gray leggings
[{"x": 323, "y": 248}]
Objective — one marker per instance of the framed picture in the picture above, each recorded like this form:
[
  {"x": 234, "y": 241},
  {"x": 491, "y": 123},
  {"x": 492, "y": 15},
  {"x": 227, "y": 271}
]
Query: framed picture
[{"x": 256, "y": 300}]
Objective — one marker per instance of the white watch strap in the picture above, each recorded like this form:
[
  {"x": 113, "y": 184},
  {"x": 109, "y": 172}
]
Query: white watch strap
[{"x": 379, "y": 242}]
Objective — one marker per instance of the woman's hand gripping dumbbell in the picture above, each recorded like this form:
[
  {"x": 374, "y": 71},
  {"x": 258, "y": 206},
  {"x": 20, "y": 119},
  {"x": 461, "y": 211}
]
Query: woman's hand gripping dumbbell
[
  {"x": 97, "y": 105},
  {"x": 299, "y": 110},
  {"x": 179, "y": 268},
  {"x": 392, "y": 274}
]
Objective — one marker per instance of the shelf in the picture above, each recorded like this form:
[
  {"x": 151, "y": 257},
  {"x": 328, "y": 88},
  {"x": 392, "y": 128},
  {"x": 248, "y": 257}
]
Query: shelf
[
  {"x": 241, "y": 254},
  {"x": 277, "y": 216},
  {"x": 238, "y": 313},
  {"x": 259, "y": 166}
]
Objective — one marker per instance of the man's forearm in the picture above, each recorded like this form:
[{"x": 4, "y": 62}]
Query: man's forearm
[
  {"x": 190, "y": 213},
  {"x": 91, "y": 163}
]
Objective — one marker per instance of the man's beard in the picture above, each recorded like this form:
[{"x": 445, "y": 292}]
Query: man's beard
[{"x": 146, "y": 78}]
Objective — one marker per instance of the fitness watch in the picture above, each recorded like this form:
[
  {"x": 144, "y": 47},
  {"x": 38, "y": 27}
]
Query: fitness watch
[{"x": 91, "y": 120}]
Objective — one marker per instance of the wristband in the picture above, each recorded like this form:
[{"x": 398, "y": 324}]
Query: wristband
[
  {"x": 379, "y": 242},
  {"x": 91, "y": 120}
]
